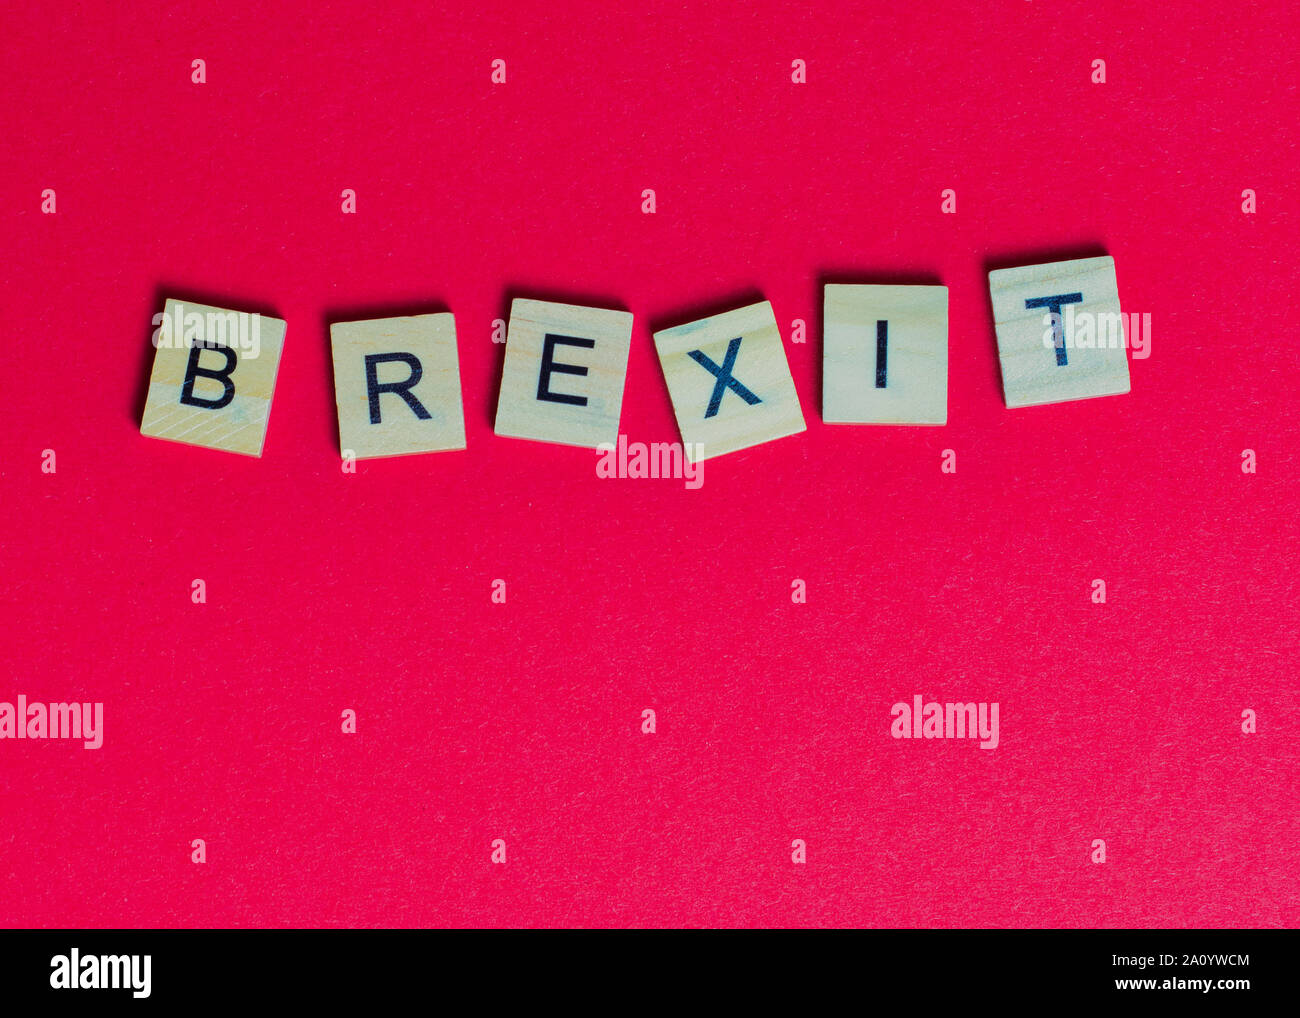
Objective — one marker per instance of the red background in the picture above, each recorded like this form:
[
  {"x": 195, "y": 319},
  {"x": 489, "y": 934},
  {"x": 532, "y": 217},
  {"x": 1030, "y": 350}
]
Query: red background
[{"x": 521, "y": 721}]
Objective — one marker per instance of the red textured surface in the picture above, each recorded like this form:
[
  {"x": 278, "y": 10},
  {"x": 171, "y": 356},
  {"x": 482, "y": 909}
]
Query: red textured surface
[{"x": 522, "y": 721}]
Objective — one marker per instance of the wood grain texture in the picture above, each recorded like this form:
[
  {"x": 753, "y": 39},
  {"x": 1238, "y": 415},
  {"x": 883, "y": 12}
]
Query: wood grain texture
[
  {"x": 572, "y": 395},
  {"x": 240, "y": 425},
  {"x": 1032, "y": 372},
  {"x": 424, "y": 415},
  {"x": 891, "y": 374},
  {"x": 713, "y": 423}
]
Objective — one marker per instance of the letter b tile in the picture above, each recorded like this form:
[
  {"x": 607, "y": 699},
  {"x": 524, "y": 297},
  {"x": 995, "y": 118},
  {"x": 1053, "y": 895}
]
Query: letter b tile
[{"x": 213, "y": 377}]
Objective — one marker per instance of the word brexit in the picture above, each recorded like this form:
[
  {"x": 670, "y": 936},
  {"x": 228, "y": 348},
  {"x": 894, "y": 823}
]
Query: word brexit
[{"x": 397, "y": 380}]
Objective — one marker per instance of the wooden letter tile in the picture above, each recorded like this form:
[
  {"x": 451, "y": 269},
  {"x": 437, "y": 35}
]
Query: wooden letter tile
[
  {"x": 885, "y": 355},
  {"x": 213, "y": 377},
  {"x": 397, "y": 385},
  {"x": 1084, "y": 357},
  {"x": 564, "y": 372},
  {"x": 729, "y": 381}
]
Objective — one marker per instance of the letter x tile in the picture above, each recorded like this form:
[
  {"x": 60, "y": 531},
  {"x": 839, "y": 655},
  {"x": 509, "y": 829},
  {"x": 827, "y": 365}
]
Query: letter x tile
[{"x": 729, "y": 381}]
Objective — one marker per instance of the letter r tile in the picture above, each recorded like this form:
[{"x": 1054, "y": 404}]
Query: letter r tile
[
  {"x": 729, "y": 381},
  {"x": 564, "y": 371},
  {"x": 213, "y": 377},
  {"x": 1061, "y": 336},
  {"x": 397, "y": 385}
]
